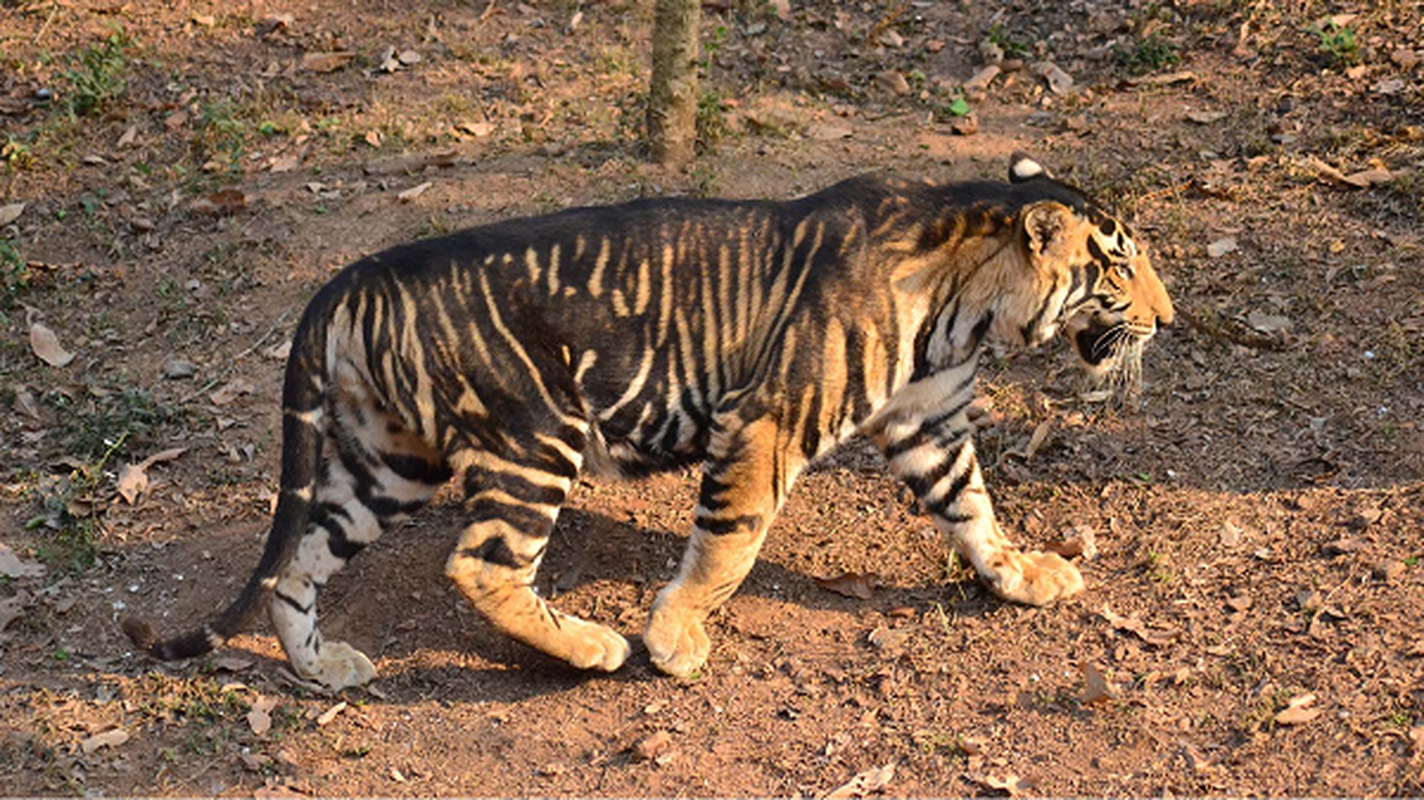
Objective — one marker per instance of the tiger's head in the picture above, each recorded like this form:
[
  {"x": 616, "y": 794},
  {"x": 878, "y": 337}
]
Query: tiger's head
[{"x": 1095, "y": 283}]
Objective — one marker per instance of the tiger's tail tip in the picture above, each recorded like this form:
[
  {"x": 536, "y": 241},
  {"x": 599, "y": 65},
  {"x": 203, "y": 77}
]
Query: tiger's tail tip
[{"x": 145, "y": 638}]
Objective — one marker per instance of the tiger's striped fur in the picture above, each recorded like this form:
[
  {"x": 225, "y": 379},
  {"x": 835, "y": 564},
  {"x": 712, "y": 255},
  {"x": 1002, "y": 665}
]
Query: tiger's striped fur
[{"x": 750, "y": 336}]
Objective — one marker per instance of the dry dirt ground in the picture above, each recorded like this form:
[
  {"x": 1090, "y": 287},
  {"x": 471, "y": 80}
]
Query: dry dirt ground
[{"x": 191, "y": 172}]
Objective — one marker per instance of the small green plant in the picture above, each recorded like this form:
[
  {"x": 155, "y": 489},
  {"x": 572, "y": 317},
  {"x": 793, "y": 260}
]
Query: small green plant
[
  {"x": 96, "y": 76},
  {"x": 958, "y": 107},
  {"x": 1012, "y": 47},
  {"x": 1338, "y": 43},
  {"x": 1154, "y": 52},
  {"x": 15, "y": 153},
  {"x": 712, "y": 124},
  {"x": 221, "y": 134},
  {"x": 14, "y": 274}
]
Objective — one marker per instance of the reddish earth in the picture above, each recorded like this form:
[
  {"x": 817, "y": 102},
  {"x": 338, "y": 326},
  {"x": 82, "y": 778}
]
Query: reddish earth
[{"x": 1252, "y": 622}]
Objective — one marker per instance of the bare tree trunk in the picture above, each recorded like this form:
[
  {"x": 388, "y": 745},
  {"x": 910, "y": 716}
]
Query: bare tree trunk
[{"x": 672, "y": 98}]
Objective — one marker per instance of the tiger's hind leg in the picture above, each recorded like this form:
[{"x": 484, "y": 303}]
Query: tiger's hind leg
[
  {"x": 513, "y": 499},
  {"x": 750, "y": 468},
  {"x": 376, "y": 473}
]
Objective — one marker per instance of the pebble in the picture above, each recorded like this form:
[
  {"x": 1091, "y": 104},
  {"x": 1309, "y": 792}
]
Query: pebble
[
  {"x": 178, "y": 368},
  {"x": 893, "y": 81},
  {"x": 1388, "y": 571}
]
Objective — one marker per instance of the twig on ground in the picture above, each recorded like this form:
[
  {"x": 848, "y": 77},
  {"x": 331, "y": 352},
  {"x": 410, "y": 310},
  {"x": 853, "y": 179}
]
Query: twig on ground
[{"x": 1224, "y": 332}]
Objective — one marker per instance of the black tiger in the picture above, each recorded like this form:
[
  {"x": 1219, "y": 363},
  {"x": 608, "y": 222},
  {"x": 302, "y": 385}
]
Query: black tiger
[{"x": 749, "y": 336}]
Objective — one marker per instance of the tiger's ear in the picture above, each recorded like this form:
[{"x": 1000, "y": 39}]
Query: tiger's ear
[
  {"x": 1046, "y": 228},
  {"x": 1022, "y": 168}
]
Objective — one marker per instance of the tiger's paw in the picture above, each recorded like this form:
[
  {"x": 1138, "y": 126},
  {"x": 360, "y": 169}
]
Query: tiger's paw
[
  {"x": 676, "y": 642},
  {"x": 593, "y": 646},
  {"x": 342, "y": 666},
  {"x": 1041, "y": 578}
]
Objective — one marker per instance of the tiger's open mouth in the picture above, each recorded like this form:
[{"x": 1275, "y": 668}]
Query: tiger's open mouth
[
  {"x": 1095, "y": 341},
  {"x": 1109, "y": 349}
]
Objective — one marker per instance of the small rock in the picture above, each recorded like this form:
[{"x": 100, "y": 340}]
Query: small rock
[
  {"x": 1308, "y": 601},
  {"x": 1221, "y": 247},
  {"x": 981, "y": 79},
  {"x": 1059, "y": 82},
  {"x": 1342, "y": 546},
  {"x": 1364, "y": 517},
  {"x": 1405, "y": 59},
  {"x": 890, "y": 38},
  {"x": 1239, "y": 602},
  {"x": 1389, "y": 86},
  {"x": 887, "y": 638},
  {"x": 967, "y": 125},
  {"x": 1388, "y": 571},
  {"x": 893, "y": 81},
  {"x": 141, "y": 224},
  {"x": 990, "y": 52},
  {"x": 175, "y": 368},
  {"x": 934, "y": 45},
  {"x": 652, "y": 746}
]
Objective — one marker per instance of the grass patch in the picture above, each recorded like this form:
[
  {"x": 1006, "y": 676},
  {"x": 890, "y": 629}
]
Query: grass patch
[
  {"x": 14, "y": 275},
  {"x": 1338, "y": 44},
  {"x": 1155, "y": 52},
  {"x": 96, "y": 76}
]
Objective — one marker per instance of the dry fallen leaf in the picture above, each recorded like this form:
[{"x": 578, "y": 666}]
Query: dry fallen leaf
[
  {"x": 330, "y": 714},
  {"x": 10, "y": 213},
  {"x": 233, "y": 390},
  {"x": 410, "y": 164},
  {"x": 1095, "y": 685},
  {"x": 888, "y": 638},
  {"x": 1163, "y": 79},
  {"x": 1416, "y": 735},
  {"x": 12, "y": 607},
  {"x": 1059, "y": 82},
  {"x": 1035, "y": 441},
  {"x": 133, "y": 478},
  {"x": 413, "y": 192},
  {"x": 232, "y": 663},
  {"x": 11, "y": 565},
  {"x": 1136, "y": 626},
  {"x": 865, "y": 783},
  {"x": 1206, "y": 117},
  {"x": 1011, "y": 784},
  {"x": 1083, "y": 543},
  {"x": 1221, "y": 247},
  {"x": 859, "y": 585},
  {"x": 1297, "y": 712},
  {"x": 288, "y": 161},
  {"x": 652, "y": 746},
  {"x": 112, "y": 738},
  {"x": 260, "y": 717},
  {"x": 45, "y": 344},
  {"x": 327, "y": 62},
  {"x": 228, "y": 201}
]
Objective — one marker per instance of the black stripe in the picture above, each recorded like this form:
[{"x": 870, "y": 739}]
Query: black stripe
[
  {"x": 417, "y": 469},
  {"x": 494, "y": 550},
  {"x": 722, "y": 526},
  {"x": 526, "y": 520},
  {"x": 292, "y": 601},
  {"x": 710, "y": 495},
  {"x": 337, "y": 541}
]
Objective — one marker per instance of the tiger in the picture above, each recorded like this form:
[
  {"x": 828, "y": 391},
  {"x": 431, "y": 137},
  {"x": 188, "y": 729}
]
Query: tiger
[{"x": 748, "y": 336}]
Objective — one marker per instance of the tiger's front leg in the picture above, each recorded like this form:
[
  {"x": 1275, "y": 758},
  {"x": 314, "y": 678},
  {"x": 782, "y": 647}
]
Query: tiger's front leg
[
  {"x": 748, "y": 473},
  {"x": 932, "y": 450}
]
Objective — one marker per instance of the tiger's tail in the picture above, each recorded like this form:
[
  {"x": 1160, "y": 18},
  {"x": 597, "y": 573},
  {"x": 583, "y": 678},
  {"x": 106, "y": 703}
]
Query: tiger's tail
[{"x": 303, "y": 408}]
